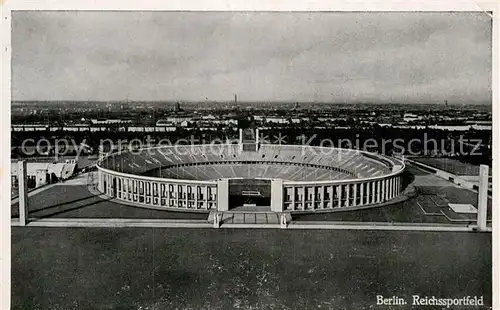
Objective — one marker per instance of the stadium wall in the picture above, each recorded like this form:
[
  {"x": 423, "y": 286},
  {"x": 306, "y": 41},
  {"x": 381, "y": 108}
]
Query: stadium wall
[
  {"x": 286, "y": 196},
  {"x": 335, "y": 195},
  {"x": 158, "y": 192}
]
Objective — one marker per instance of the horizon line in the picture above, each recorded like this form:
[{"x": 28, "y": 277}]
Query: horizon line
[{"x": 257, "y": 101}]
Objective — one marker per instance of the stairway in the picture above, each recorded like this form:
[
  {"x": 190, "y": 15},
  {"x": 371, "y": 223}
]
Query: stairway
[{"x": 257, "y": 219}]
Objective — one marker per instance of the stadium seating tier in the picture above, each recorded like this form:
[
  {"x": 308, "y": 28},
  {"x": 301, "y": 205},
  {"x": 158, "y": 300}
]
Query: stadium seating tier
[{"x": 288, "y": 162}]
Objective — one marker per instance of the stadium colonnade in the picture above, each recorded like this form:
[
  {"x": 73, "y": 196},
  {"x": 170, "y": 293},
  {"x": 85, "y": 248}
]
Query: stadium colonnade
[{"x": 358, "y": 179}]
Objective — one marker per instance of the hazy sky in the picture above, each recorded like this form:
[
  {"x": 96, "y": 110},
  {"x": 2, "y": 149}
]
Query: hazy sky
[{"x": 389, "y": 57}]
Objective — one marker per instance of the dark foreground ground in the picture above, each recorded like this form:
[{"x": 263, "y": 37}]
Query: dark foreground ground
[{"x": 135, "y": 268}]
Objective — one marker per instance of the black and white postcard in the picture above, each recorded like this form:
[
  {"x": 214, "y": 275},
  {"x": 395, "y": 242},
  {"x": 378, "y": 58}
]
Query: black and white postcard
[{"x": 230, "y": 156}]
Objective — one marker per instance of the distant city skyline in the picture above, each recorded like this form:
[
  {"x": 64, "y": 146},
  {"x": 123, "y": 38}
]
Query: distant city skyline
[{"x": 260, "y": 56}]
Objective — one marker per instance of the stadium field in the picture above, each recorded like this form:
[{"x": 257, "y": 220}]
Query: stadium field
[{"x": 58, "y": 268}]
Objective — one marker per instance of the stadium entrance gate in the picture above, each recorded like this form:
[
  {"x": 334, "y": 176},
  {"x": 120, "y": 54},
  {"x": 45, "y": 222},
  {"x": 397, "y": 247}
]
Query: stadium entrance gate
[{"x": 250, "y": 194}]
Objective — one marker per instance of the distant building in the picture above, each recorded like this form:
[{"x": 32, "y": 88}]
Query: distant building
[
  {"x": 177, "y": 108},
  {"x": 208, "y": 117},
  {"x": 226, "y": 122},
  {"x": 283, "y": 120},
  {"x": 329, "y": 119},
  {"x": 173, "y": 120},
  {"x": 408, "y": 117},
  {"x": 45, "y": 173},
  {"x": 109, "y": 121}
]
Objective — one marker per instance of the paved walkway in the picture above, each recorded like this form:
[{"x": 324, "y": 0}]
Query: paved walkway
[
  {"x": 183, "y": 223},
  {"x": 116, "y": 223},
  {"x": 247, "y": 217}
]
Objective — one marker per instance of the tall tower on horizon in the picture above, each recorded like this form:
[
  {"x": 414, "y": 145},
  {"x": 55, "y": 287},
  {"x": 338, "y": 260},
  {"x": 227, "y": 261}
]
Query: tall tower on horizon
[{"x": 235, "y": 98}]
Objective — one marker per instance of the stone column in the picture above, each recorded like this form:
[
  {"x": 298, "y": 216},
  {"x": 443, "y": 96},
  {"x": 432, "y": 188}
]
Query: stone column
[
  {"x": 313, "y": 200},
  {"x": 142, "y": 186},
  {"x": 166, "y": 186},
  {"x": 197, "y": 192},
  {"x": 389, "y": 189},
  {"x": 156, "y": 193},
  {"x": 482, "y": 197},
  {"x": 384, "y": 189},
  {"x": 373, "y": 194},
  {"x": 177, "y": 195},
  {"x": 339, "y": 196},
  {"x": 99, "y": 180},
  {"x": 125, "y": 189},
  {"x": 355, "y": 194},
  {"x": 323, "y": 197},
  {"x": 303, "y": 197},
  {"x": 205, "y": 196},
  {"x": 241, "y": 139},
  {"x": 152, "y": 193},
  {"x": 222, "y": 195},
  {"x": 379, "y": 191},
  {"x": 122, "y": 189},
  {"x": 23, "y": 193},
  {"x": 347, "y": 194},
  {"x": 331, "y": 190},
  {"x": 277, "y": 195},
  {"x": 362, "y": 193},
  {"x": 367, "y": 194},
  {"x": 135, "y": 184},
  {"x": 393, "y": 188}
]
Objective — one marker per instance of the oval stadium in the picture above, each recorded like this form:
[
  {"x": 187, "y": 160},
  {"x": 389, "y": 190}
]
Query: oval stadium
[{"x": 250, "y": 176}]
